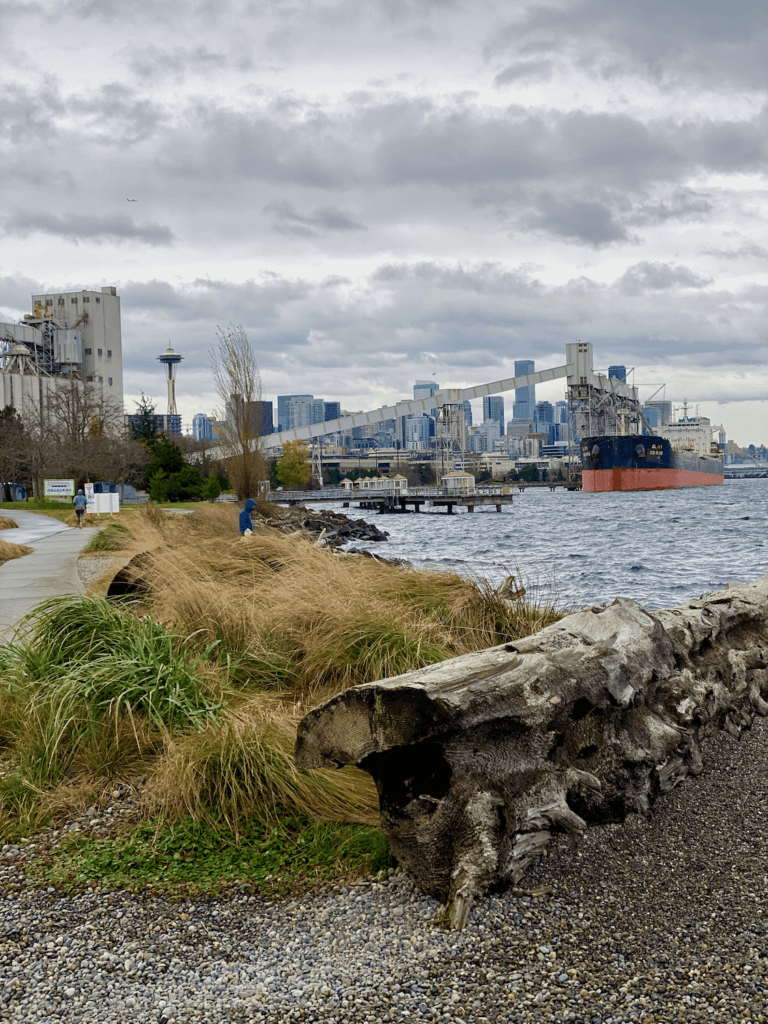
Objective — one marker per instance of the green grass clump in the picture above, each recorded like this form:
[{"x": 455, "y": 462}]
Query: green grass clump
[
  {"x": 193, "y": 857},
  {"x": 112, "y": 537},
  {"x": 87, "y": 680}
]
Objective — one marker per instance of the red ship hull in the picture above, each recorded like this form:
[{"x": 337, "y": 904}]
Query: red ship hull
[{"x": 628, "y": 478}]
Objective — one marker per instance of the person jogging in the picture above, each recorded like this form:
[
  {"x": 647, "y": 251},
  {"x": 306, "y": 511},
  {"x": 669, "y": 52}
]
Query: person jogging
[{"x": 81, "y": 503}]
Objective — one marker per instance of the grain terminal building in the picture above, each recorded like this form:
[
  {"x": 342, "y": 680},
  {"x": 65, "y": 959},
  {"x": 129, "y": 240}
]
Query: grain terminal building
[{"x": 69, "y": 334}]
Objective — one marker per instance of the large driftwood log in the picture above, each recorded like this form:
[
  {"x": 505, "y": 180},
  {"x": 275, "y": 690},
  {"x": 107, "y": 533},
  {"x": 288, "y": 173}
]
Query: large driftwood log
[{"x": 480, "y": 759}]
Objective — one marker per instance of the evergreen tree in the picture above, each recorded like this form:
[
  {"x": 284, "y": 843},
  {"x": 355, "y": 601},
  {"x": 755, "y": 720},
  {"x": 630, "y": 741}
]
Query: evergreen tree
[{"x": 144, "y": 425}]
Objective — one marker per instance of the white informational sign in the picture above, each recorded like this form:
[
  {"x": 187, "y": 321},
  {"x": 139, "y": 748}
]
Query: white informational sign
[
  {"x": 90, "y": 497},
  {"x": 59, "y": 488},
  {"x": 107, "y": 502}
]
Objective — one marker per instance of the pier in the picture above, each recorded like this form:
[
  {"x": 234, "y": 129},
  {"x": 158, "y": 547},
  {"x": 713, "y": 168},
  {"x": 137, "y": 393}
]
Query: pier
[{"x": 388, "y": 501}]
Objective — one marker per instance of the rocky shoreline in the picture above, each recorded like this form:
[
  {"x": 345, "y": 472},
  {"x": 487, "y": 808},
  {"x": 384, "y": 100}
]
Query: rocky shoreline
[
  {"x": 335, "y": 528},
  {"x": 659, "y": 919}
]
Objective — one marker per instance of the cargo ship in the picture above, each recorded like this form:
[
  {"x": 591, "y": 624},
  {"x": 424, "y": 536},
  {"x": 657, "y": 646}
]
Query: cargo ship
[{"x": 685, "y": 457}]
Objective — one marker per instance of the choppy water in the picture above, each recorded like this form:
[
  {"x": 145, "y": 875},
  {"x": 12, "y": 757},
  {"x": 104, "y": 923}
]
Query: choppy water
[{"x": 658, "y": 547}]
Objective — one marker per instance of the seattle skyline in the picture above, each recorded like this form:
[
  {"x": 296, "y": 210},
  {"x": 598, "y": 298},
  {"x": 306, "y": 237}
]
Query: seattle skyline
[{"x": 379, "y": 192}]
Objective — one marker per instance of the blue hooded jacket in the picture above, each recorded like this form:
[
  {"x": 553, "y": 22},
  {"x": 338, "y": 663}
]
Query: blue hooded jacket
[{"x": 245, "y": 516}]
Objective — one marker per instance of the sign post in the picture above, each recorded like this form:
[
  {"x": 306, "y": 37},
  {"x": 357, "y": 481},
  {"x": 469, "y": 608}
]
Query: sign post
[{"x": 58, "y": 488}]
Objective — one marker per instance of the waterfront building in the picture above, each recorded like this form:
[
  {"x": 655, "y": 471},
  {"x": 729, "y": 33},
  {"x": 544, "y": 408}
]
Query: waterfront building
[
  {"x": 653, "y": 416},
  {"x": 301, "y": 411}
]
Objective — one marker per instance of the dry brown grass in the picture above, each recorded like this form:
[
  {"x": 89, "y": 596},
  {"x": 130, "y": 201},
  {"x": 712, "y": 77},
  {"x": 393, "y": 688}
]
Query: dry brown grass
[
  {"x": 306, "y": 620},
  {"x": 8, "y": 524},
  {"x": 242, "y": 767},
  {"x": 269, "y": 625},
  {"x": 9, "y": 551}
]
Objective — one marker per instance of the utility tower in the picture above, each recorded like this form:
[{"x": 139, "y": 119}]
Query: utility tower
[{"x": 170, "y": 361}]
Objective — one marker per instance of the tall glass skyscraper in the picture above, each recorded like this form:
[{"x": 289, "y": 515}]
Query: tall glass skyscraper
[
  {"x": 493, "y": 409},
  {"x": 424, "y": 389},
  {"x": 284, "y": 417},
  {"x": 525, "y": 398}
]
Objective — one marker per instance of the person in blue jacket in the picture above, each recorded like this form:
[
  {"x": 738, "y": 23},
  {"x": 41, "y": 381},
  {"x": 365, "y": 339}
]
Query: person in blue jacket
[
  {"x": 81, "y": 503},
  {"x": 245, "y": 517}
]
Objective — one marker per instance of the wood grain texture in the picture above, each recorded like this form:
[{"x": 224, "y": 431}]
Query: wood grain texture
[{"x": 480, "y": 759}]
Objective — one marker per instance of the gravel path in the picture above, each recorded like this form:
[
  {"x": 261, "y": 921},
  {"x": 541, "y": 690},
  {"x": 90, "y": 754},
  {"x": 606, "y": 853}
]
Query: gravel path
[
  {"x": 660, "y": 920},
  {"x": 90, "y": 569}
]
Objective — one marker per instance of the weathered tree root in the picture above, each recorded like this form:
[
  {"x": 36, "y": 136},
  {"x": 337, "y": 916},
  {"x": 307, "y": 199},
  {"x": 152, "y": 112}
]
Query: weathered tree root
[{"x": 480, "y": 759}]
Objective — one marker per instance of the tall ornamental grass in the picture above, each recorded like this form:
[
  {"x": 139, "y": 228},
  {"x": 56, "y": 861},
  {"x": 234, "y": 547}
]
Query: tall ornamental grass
[
  {"x": 303, "y": 619},
  {"x": 242, "y": 767},
  {"x": 198, "y": 686},
  {"x": 84, "y": 669}
]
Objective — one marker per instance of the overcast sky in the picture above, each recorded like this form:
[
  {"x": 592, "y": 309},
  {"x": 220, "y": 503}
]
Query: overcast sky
[{"x": 383, "y": 190}]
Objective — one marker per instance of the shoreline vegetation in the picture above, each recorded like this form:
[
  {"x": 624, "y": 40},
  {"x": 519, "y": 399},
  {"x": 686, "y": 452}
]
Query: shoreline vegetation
[
  {"x": 8, "y": 549},
  {"x": 149, "y": 742}
]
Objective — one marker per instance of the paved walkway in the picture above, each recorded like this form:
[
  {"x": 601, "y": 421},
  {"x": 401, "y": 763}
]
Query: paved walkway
[{"x": 50, "y": 571}]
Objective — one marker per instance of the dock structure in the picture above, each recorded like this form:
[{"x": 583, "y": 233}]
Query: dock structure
[{"x": 385, "y": 501}]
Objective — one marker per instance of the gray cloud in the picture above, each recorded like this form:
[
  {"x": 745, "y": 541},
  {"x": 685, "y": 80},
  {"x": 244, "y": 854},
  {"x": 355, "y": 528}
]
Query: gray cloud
[
  {"x": 116, "y": 114},
  {"x": 30, "y": 115},
  {"x": 682, "y": 204},
  {"x": 523, "y": 69},
  {"x": 156, "y": 63},
  {"x": 462, "y": 215},
  {"x": 473, "y": 317},
  {"x": 666, "y": 41},
  {"x": 747, "y": 250},
  {"x": 654, "y": 277},
  {"x": 589, "y": 222},
  {"x": 287, "y": 220},
  {"x": 33, "y": 174},
  {"x": 260, "y": 145},
  {"x": 77, "y": 227}
]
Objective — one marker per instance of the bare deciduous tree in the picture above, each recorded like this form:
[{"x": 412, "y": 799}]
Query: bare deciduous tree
[
  {"x": 238, "y": 382},
  {"x": 72, "y": 430},
  {"x": 85, "y": 429}
]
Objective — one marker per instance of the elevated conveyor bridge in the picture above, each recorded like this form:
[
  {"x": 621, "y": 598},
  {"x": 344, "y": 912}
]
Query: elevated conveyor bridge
[{"x": 596, "y": 405}]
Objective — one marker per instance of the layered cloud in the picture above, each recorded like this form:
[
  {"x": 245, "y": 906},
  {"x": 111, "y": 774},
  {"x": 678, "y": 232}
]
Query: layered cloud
[
  {"x": 374, "y": 189},
  {"x": 87, "y": 228}
]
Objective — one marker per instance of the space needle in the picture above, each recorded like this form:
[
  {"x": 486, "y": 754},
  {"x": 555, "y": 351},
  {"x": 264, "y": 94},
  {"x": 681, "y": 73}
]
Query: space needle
[{"x": 170, "y": 361}]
